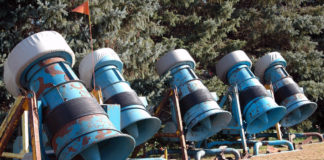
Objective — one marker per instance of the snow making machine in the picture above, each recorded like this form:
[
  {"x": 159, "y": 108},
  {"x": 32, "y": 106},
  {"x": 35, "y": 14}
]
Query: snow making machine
[
  {"x": 106, "y": 76},
  {"x": 70, "y": 119},
  {"x": 193, "y": 103},
  {"x": 253, "y": 108}
]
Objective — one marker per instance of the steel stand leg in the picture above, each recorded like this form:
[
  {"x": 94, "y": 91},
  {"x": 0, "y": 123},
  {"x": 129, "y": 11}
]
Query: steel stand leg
[
  {"x": 279, "y": 134},
  {"x": 34, "y": 126},
  {"x": 180, "y": 127},
  {"x": 237, "y": 106}
]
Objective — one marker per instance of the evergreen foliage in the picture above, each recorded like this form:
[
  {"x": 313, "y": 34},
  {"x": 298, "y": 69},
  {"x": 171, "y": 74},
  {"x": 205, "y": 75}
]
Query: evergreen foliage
[{"x": 142, "y": 31}]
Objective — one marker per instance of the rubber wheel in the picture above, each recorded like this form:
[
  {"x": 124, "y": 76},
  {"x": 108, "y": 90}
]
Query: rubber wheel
[
  {"x": 230, "y": 60},
  {"x": 91, "y": 60},
  {"x": 172, "y": 59},
  {"x": 265, "y": 62},
  {"x": 32, "y": 48}
]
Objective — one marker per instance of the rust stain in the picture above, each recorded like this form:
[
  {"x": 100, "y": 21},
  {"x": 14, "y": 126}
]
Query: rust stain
[
  {"x": 85, "y": 118},
  {"x": 85, "y": 140},
  {"x": 83, "y": 93},
  {"x": 42, "y": 86},
  {"x": 65, "y": 130},
  {"x": 101, "y": 134},
  {"x": 51, "y": 68},
  {"x": 52, "y": 71},
  {"x": 77, "y": 87},
  {"x": 50, "y": 60},
  {"x": 71, "y": 149}
]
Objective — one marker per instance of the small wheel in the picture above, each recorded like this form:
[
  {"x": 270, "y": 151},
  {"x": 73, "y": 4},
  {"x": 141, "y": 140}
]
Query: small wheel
[
  {"x": 230, "y": 60},
  {"x": 172, "y": 59},
  {"x": 266, "y": 61},
  {"x": 38, "y": 45},
  {"x": 91, "y": 60}
]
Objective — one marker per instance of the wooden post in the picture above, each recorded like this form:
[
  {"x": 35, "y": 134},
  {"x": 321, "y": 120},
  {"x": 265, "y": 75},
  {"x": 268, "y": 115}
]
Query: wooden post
[
  {"x": 180, "y": 127},
  {"x": 34, "y": 127}
]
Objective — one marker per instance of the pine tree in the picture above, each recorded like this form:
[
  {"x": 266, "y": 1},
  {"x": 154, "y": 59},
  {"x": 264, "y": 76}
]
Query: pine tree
[{"x": 142, "y": 31}]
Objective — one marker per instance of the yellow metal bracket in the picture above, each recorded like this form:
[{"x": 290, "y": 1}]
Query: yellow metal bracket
[
  {"x": 269, "y": 87},
  {"x": 98, "y": 95},
  {"x": 24, "y": 109}
]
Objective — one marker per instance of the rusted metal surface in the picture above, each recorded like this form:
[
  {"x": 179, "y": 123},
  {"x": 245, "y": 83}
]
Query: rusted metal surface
[
  {"x": 34, "y": 127},
  {"x": 180, "y": 127},
  {"x": 11, "y": 121}
]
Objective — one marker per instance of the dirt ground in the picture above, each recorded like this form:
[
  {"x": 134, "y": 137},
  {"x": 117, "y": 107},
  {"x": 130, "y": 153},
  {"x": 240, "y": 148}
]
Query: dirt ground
[{"x": 309, "y": 152}]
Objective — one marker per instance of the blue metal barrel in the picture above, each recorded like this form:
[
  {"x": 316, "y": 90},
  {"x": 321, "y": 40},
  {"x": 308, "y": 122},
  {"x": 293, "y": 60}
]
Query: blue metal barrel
[
  {"x": 271, "y": 70},
  {"x": 74, "y": 122},
  {"x": 259, "y": 110},
  {"x": 200, "y": 112},
  {"x": 135, "y": 119}
]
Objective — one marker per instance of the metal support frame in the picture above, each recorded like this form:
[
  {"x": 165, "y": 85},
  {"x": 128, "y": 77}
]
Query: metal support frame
[
  {"x": 98, "y": 95},
  {"x": 240, "y": 120},
  {"x": 180, "y": 132},
  {"x": 233, "y": 91},
  {"x": 33, "y": 122},
  {"x": 179, "y": 122},
  {"x": 279, "y": 133},
  {"x": 24, "y": 108}
]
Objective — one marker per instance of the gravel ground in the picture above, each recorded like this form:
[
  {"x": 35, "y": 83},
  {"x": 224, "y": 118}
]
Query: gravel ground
[{"x": 309, "y": 152}]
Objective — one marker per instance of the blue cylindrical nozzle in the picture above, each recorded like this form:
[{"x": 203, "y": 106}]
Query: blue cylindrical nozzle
[
  {"x": 200, "y": 112},
  {"x": 135, "y": 119},
  {"x": 259, "y": 110},
  {"x": 74, "y": 122},
  {"x": 271, "y": 70}
]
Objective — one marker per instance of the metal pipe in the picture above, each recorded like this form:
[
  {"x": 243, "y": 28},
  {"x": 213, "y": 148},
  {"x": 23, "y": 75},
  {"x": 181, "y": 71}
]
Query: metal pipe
[
  {"x": 25, "y": 136},
  {"x": 315, "y": 134},
  {"x": 272, "y": 143},
  {"x": 256, "y": 147},
  {"x": 200, "y": 154},
  {"x": 215, "y": 151},
  {"x": 13, "y": 155}
]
